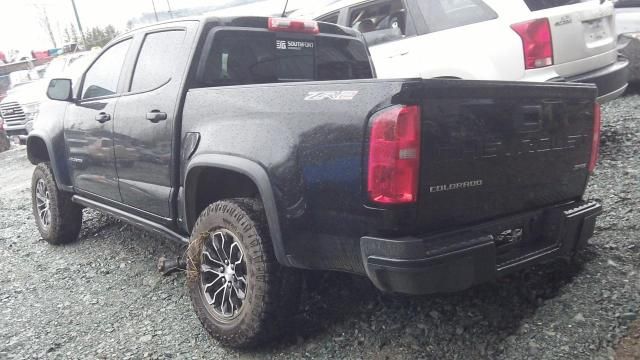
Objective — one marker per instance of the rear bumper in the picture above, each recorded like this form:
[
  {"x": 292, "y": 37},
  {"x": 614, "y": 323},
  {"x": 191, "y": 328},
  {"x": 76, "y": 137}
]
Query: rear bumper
[
  {"x": 458, "y": 260},
  {"x": 630, "y": 48},
  {"x": 611, "y": 80}
]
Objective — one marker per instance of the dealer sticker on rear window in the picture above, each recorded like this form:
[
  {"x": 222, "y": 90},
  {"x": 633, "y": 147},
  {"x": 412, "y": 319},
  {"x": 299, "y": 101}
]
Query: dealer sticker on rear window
[{"x": 294, "y": 45}]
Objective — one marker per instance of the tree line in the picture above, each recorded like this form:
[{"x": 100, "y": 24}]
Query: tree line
[{"x": 94, "y": 37}]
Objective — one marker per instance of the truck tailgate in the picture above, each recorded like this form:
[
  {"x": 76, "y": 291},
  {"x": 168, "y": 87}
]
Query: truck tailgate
[{"x": 492, "y": 149}]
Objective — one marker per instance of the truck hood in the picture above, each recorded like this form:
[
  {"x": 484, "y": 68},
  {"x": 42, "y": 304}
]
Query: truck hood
[{"x": 35, "y": 91}]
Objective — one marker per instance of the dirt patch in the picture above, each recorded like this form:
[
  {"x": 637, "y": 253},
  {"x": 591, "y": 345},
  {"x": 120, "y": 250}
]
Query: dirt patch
[{"x": 629, "y": 347}]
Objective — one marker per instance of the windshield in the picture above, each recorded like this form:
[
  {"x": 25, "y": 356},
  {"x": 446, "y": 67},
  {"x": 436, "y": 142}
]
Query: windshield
[
  {"x": 56, "y": 66},
  {"x": 78, "y": 65},
  {"x": 19, "y": 78},
  {"x": 70, "y": 66}
]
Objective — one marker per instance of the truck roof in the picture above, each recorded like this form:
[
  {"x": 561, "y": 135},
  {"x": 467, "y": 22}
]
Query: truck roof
[{"x": 223, "y": 20}]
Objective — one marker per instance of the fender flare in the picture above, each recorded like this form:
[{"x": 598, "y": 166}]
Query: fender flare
[
  {"x": 260, "y": 178},
  {"x": 62, "y": 181}
]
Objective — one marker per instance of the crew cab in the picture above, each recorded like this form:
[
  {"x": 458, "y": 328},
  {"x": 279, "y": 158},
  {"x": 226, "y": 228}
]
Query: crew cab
[
  {"x": 523, "y": 40},
  {"x": 266, "y": 146}
]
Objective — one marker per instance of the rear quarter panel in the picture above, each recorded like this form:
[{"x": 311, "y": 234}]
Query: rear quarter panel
[{"x": 311, "y": 148}]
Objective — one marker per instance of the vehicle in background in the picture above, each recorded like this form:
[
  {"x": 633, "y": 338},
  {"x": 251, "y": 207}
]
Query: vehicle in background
[
  {"x": 628, "y": 26},
  {"x": 5, "y": 85},
  {"x": 17, "y": 56},
  {"x": 7, "y": 80},
  {"x": 529, "y": 40},
  {"x": 5, "y": 143},
  {"x": 22, "y": 104},
  {"x": 71, "y": 48},
  {"x": 423, "y": 186},
  {"x": 627, "y": 16},
  {"x": 38, "y": 55}
]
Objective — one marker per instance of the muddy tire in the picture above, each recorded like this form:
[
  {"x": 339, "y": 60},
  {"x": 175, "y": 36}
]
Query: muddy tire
[
  {"x": 240, "y": 293},
  {"x": 58, "y": 219}
]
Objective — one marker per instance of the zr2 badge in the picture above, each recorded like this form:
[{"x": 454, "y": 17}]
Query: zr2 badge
[{"x": 330, "y": 95}]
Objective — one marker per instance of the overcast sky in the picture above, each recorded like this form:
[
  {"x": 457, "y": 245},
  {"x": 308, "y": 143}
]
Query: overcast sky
[{"x": 20, "y": 20}]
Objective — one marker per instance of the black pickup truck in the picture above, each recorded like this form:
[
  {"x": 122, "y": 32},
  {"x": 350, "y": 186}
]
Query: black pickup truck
[{"x": 266, "y": 145}]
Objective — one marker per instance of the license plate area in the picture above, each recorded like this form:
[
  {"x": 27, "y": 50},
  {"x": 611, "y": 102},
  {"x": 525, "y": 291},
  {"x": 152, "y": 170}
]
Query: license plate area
[
  {"x": 526, "y": 236},
  {"x": 596, "y": 31}
]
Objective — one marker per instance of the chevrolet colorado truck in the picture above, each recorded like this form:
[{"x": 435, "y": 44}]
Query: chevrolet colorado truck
[{"x": 266, "y": 146}]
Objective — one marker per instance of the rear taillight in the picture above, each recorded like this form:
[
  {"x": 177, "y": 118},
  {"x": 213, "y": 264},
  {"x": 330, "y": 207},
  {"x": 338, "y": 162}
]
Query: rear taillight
[
  {"x": 289, "y": 25},
  {"x": 394, "y": 155},
  {"x": 536, "y": 43},
  {"x": 595, "y": 144}
]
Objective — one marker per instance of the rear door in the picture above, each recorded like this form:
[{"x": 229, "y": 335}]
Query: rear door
[
  {"x": 88, "y": 127},
  {"x": 146, "y": 118},
  {"x": 580, "y": 29}
]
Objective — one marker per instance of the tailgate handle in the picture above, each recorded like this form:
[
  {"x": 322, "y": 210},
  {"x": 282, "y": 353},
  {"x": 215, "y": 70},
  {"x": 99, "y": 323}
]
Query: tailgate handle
[{"x": 528, "y": 118}]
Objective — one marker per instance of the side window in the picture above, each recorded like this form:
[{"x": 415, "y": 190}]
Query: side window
[
  {"x": 446, "y": 14},
  {"x": 380, "y": 22},
  {"x": 102, "y": 78},
  {"x": 157, "y": 59},
  {"x": 331, "y": 18}
]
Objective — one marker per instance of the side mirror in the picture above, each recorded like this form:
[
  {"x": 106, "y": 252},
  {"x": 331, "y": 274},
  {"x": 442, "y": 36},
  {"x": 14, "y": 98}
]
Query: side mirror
[{"x": 60, "y": 90}]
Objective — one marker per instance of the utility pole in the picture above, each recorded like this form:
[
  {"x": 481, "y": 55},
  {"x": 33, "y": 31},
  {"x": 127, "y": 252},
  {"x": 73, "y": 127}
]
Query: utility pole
[
  {"x": 44, "y": 21},
  {"x": 154, "y": 9},
  {"x": 169, "y": 6},
  {"x": 75, "y": 11}
]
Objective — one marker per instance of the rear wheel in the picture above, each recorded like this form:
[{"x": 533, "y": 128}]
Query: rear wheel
[
  {"x": 58, "y": 219},
  {"x": 241, "y": 295}
]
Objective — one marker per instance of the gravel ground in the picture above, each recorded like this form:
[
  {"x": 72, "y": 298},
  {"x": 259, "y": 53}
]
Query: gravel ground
[{"x": 101, "y": 297}]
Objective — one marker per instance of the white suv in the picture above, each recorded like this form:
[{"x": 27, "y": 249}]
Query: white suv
[{"x": 530, "y": 40}]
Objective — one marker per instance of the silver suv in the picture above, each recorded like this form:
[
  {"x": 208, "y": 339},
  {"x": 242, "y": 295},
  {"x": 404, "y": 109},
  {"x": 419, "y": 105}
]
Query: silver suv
[{"x": 528, "y": 40}]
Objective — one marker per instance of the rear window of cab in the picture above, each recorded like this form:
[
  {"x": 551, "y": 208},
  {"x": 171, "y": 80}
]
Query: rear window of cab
[{"x": 243, "y": 57}]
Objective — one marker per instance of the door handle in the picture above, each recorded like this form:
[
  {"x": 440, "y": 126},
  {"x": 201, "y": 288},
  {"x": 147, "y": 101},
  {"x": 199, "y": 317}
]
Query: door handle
[
  {"x": 155, "y": 116},
  {"x": 103, "y": 118}
]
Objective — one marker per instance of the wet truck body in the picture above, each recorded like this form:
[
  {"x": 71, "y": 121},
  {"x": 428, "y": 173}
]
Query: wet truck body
[{"x": 266, "y": 145}]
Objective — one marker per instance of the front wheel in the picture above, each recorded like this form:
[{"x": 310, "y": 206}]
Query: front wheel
[
  {"x": 240, "y": 293},
  {"x": 58, "y": 219}
]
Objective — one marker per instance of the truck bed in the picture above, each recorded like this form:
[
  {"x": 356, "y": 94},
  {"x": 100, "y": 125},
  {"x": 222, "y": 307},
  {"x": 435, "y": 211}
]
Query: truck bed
[{"x": 523, "y": 145}]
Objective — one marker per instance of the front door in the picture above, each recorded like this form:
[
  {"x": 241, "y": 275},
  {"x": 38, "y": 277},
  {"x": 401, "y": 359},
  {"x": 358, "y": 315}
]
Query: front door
[
  {"x": 144, "y": 128},
  {"x": 88, "y": 128}
]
